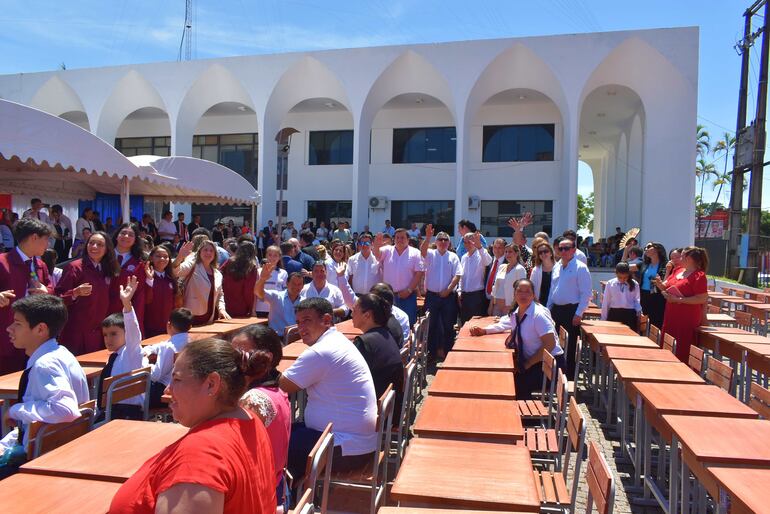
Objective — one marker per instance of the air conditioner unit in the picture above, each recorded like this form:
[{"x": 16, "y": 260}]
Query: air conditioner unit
[
  {"x": 473, "y": 202},
  {"x": 378, "y": 202}
]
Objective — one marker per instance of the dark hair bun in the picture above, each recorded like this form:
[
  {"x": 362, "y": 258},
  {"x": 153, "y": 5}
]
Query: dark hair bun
[{"x": 256, "y": 363}]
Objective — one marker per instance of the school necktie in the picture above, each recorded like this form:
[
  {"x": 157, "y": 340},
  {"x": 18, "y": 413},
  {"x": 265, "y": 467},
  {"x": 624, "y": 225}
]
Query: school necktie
[
  {"x": 120, "y": 260},
  {"x": 23, "y": 382},
  {"x": 105, "y": 374},
  {"x": 491, "y": 278},
  {"x": 518, "y": 344}
]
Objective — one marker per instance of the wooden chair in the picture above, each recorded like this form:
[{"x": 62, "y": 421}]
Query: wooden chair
[
  {"x": 305, "y": 503},
  {"x": 744, "y": 320},
  {"x": 669, "y": 343},
  {"x": 695, "y": 359},
  {"x": 44, "y": 437},
  {"x": 552, "y": 485},
  {"x": 373, "y": 476},
  {"x": 124, "y": 386},
  {"x": 654, "y": 334},
  {"x": 319, "y": 460},
  {"x": 713, "y": 309},
  {"x": 759, "y": 400},
  {"x": 538, "y": 410},
  {"x": 545, "y": 444},
  {"x": 290, "y": 334},
  {"x": 719, "y": 374},
  {"x": 644, "y": 324},
  {"x": 399, "y": 435},
  {"x": 564, "y": 340},
  {"x": 601, "y": 484}
]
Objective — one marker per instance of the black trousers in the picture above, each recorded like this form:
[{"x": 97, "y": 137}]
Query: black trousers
[
  {"x": 653, "y": 306},
  {"x": 156, "y": 392},
  {"x": 473, "y": 303},
  {"x": 625, "y": 316},
  {"x": 562, "y": 317},
  {"x": 443, "y": 315},
  {"x": 531, "y": 380}
]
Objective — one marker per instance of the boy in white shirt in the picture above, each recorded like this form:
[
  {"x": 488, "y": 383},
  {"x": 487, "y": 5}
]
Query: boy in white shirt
[
  {"x": 123, "y": 339},
  {"x": 161, "y": 356},
  {"x": 53, "y": 384}
]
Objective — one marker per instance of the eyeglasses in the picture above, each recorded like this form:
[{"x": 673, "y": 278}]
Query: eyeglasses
[
  {"x": 364, "y": 243},
  {"x": 566, "y": 248},
  {"x": 442, "y": 239},
  {"x": 544, "y": 252}
]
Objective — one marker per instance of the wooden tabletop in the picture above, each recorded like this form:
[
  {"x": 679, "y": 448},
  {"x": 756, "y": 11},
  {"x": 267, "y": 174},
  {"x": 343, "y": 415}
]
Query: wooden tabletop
[
  {"x": 604, "y": 340},
  {"x": 469, "y": 419},
  {"x": 746, "y": 488},
  {"x": 284, "y": 364},
  {"x": 9, "y": 384},
  {"x": 479, "y": 361},
  {"x": 758, "y": 307},
  {"x": 220, "y": 328},
  {"x": 244, "y": 322},
  {"x": 622, "y": 330},
  {"x": 97, "y": 358},
  {"x": 720, "y": 440},
  {"x": 720, "y": 317},
  {"x": 473, "y": 384},
  {"x": 346, "y": 327},
  {"x": 23, "y": 493},
  {"x": 112, "y": 452},
  {"x": 468, "y": 475},
  {"x": 476, "y": 321},
  {"x": 293, "y": 350},
  {"x": 655, "y": 371},
  {"x": 739, "y": 300},
  {"x": 488, "y": 343},
  {"x": 718, "y": 296},
  {"x": 638, "y": 354},
  {"x": 692, "y": 400},
  {"x": 600, "y": 323}
]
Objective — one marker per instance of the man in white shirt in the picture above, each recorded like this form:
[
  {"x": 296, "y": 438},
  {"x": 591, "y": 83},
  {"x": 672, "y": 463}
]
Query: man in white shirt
[
  {"x": 442, "y": 274},
  {"x": 322, "y": 232},
  {"x": 340, "y": 390},
  {"x": 53, "y": 384},
  {"x": 36, "y": 211},
  {"x": 414, "y": 232},
  {"x": 402, "y": 268},
  {"x": 363, "y": 270},
  {"x": 166, "y": 227},
  {"x": 570, "y": 295},
  {"x": 286, "y": 233},
  {"x": 498, "y": 254},
  {"x": 320, "y": 288},
  {"x": 473, "y": 300}
]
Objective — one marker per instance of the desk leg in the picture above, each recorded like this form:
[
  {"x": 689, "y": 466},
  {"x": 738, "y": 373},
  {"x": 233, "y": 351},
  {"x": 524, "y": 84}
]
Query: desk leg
[
  {"x": 746, "y": 376},
  {"x": 610, "y": 393},
  {"x": 673, "y": 485},
  {"x": 685, "y": 478},
  {"x": 594, "y": 380}
]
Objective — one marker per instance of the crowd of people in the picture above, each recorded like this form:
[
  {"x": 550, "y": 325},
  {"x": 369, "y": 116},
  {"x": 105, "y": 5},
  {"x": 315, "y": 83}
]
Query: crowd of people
[{"x": 138, "y": 280}]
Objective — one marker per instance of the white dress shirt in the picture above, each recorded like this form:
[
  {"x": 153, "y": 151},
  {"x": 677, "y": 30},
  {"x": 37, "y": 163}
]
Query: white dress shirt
[
  {"x": 618, "y": 295},
  {"x": 365, "y": 272},
  {"x": 166, "y": 230},
  {"x": 474, "y": 265},
  {"x": 40, "y": 215},
  {"x": 441, "y": 269},
  {"x": 503, "y": 286},
  {"x": 165, "y": 351},
  {"x": 570, "y": 284},
  {"x": 130, "y": 354},
  {"x": 56, "y": 387},
  {"x": 398, "y": 269},
  {"x": 329, "y": 292},
  {"x": 500, "y": 326},
  {"x": 537, "y": 323}
]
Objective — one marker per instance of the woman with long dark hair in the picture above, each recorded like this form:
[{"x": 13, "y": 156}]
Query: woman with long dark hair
[
  {"x": 239, "y": 275},
  {"x": 653, "y": 265},
  {"x": 160, "y": 293},
  {"x": 130, "y": 254}
]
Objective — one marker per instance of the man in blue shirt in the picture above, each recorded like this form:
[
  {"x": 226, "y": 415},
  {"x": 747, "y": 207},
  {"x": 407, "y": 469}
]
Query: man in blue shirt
[
  {"x": 288, "y": 252},
  {"x": 281, "y": 303}
]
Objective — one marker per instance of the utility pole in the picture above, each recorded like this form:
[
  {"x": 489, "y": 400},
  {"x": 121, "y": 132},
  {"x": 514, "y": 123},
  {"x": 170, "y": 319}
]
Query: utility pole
[{"x": 757, "y": 167}]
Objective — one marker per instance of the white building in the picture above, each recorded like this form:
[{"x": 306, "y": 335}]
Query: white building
[{"x": 508, "y": 118}]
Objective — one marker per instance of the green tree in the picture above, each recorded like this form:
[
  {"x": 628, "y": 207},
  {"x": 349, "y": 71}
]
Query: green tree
[
  {"x": 702, "y": 142},
  {"x": 585, "y": 212},
  {"x": 703, "y": 170}
]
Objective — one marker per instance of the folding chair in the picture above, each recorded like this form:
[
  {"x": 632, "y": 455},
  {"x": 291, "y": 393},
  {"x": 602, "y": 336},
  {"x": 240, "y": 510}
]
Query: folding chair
[
  {"x": 695, "y": 359},
  {"x": 669, "y": 343},
  {"x": 759, "y": 400},
  {"x": 552, "y": 485},
  {"x": 654, "y": 334},
  {"x": 545, "y": 444},
  {"x": 601, "y": 484},
  {"x": 305, "y": 504},
  {"x": 744, "y": 320},
  {"x": 319, "y": 460},
  {"x": 399, "y": 435},
  {"x": 44, "y": 437},
  {"x": 124, "y": 386},
  {"x": 719, "y": 374},
  {"x": 373, "y": 476},
  {"x": 537, "y": 409}
]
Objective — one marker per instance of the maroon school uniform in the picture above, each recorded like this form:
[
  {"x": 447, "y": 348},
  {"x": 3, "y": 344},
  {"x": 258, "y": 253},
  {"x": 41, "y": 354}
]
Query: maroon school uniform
[
  {"x": 239, "y": 293},
  {"x": 83, "y": 331},
  {"x": 15, "y": 275},
  {"x": 132, "y": 266},
  {"x": 158, "y": 304}
]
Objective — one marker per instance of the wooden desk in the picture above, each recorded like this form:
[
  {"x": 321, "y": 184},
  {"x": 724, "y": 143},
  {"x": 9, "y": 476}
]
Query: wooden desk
[
  {"x": 761, "y": 311},
  {"x": 592, "y": 312},
  {"x": 112, "y": 452},
  {"x": 488, "y": 343},
  {"x": 589, "y": 332},
  {"x": 469, "y": 419},
  {"x": 479, "y": 361},
  {"x": 284, "y": 364},
  {"x": 476, "y": 321},
  {"x": 600, "y": 323},
  {"x": 655, "y": 371},
  {"x": 612, "y": 353},
  {"x": 724, "y": 319},
  {"x": 293, "y": 350},
  {"x": 744, "y": 489},
  {"x": 707, "y": 337},
  {"x": 599, "y": 341},
  {"x": 467, "y": 475},
  {"x": 23, "y": 493},
  {"x": 9, "y": 384},
  {"x": 244, "y": 322},
  {"x": 473, "y": 384},
  {"x": 346, "y": 327},
  {"x": 195, "y": 336},
  {"x": 221, "y": 328}
]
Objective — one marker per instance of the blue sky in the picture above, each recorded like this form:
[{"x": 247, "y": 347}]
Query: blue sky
[{"x": 38, "y": 35}]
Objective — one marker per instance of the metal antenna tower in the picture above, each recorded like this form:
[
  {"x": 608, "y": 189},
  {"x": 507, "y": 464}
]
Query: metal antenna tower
[{"x": 186, "y": 32}]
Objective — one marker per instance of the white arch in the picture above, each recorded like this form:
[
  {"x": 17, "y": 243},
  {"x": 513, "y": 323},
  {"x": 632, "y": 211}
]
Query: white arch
[
  {"x": 57, "y": 97},
  {"x": 131, "y": 93}
]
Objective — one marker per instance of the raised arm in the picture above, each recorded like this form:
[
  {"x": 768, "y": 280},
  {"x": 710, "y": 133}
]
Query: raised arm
[
  {"x": 264, "y": 275},
  {"x": 377, "y": 244},
  {"x": 426, "y": 242}
]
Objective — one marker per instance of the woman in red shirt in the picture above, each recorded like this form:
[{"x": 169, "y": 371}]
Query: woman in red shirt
[
  {"x": 686, "y": 293},
  {"x": 159, "y": 297},
  {"x": 224, "y": 464},
  {"x": 239, "y": 275},
  {"x": 129, "y": 250}
]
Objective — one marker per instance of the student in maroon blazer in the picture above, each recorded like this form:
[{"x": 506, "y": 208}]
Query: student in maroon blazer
[
  {"x": 160, "y": 291},
  {"x": 239, "y": 276},
  {"x": 17, "y": 279},
  {"x": 129, "y": 250},
  {"x": 85, "y": 288}
]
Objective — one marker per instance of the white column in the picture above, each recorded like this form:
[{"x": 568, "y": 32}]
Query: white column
[
  {"x": 361, "y": 156},
  {"x": 462, "y": 163},
  {"x": 267, "y": 172},
  {"x": 567, "y": 211}
]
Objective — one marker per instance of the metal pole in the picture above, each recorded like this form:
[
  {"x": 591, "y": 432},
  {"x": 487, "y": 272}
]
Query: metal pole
[
  {"x": 755, "y": 188},
  {"x": 280, "y": 191},
  {"x": 736, "y": 186}
]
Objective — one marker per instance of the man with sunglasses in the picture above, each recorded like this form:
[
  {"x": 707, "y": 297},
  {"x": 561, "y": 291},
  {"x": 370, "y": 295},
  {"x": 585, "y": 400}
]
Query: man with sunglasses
[
  {"x": 363, "y": 269},
  {"x": 570, "y": 295},
  {"x": 442, "y": 274}
]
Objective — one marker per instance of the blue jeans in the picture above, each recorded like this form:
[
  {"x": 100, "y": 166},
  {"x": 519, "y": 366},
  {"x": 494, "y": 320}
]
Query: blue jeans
[
  {"x": 409, "y": 306},
  {"x": 443, "y": 316}
]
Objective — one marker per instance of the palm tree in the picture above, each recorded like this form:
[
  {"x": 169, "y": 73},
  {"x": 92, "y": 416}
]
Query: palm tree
[
  {"x": 726, "y": 145},
  {"x": 703, "y": 170},
  {"x": 702, "y": 141}
]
